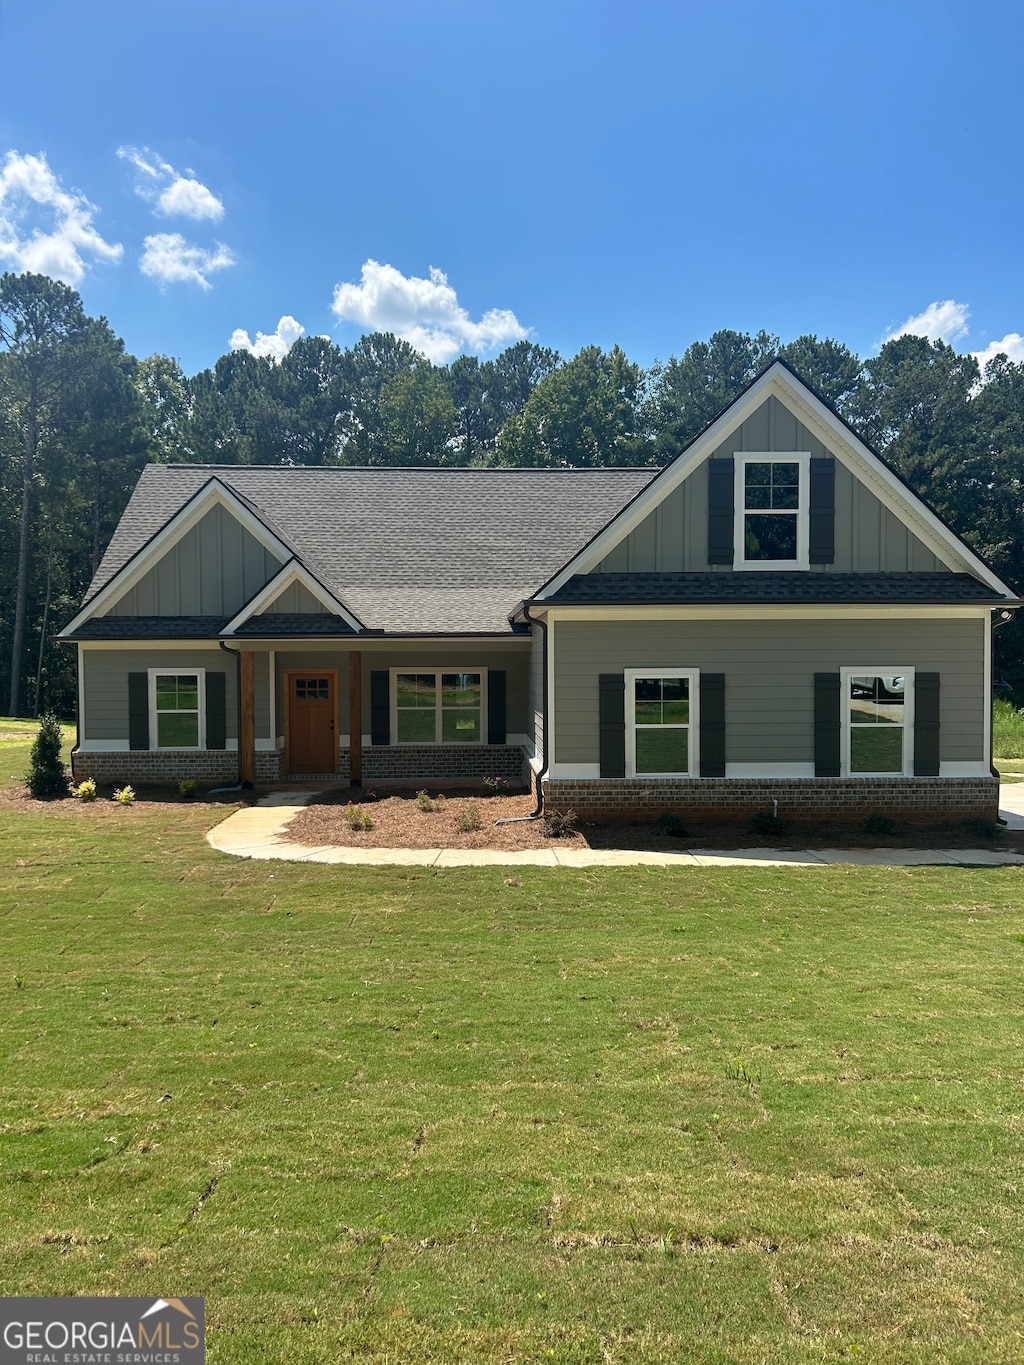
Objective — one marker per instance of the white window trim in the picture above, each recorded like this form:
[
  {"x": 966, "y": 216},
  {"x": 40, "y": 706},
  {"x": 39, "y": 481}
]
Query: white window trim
[
  {"x": 437, "y": 672},
  {"x": 173, "y": 672},
  {"x": 693, "y": 747},
  {"x": 879, "y": 671},
  {"x": 741, "y": 458}
]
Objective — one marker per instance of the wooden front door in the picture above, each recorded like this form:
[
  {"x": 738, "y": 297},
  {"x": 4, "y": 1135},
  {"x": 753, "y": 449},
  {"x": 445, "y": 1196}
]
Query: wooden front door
[{"x": 312, "y": 706}]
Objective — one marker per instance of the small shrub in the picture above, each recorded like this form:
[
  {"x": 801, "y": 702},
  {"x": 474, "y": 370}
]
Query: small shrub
[
  {"x": 356, "y": 818},
  {"x": 86, "y": 791},
  {"x": 46, "y": 775},
  {"x": 672, "y": 825},
  {"x": 560, "y": 824},
  {"x": 768, "y": 824},
  {"x": 468, "y": 820},
  {"x": 425, "y": 801},
  {"x": 124, "y": 796},
  {"x": 877, "y": 823},
  {"x": 497, "y": 784},
  {"x": 981, "y": 828},
  {"x": 187, "y": 788}
]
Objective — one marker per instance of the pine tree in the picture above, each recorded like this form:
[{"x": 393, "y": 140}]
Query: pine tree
[{"x": 46, "y": 776}]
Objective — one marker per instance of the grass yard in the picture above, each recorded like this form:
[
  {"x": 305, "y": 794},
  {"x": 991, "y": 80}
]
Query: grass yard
[{"x": 749, "y": 1115}]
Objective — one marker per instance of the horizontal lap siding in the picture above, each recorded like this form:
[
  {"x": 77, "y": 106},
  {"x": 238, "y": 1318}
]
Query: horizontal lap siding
[
  {"x": 105, "y": 683},
  {"x": 536, "y": 727},
  {"x": 446, "y": 655},
  {"x": 769, "y": 669}
]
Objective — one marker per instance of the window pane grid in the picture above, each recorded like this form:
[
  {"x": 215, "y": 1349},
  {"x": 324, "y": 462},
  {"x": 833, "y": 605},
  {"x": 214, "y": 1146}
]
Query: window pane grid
[
  {"x": 771, "y": 510},
  {"x": 875, "y": 715},
  {"x": 439, "y": 707},
  {"x": 176, "y": 702},
  {"x": 661, "y": 717}
]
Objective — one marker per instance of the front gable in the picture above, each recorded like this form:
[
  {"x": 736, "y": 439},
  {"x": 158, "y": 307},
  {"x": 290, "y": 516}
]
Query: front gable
[
  {"x": 691, "y": 518},
  {"x": 212, "y": 570},
  {"x": 206, "y": 561}
]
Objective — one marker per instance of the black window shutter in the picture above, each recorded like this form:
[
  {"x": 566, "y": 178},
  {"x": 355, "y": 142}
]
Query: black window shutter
[
  {"x": 216, "y": 711},
  {"x": 822, "y": 521},
  {"x": 721, "y": 533},
  {"x": 926, "y": 725},
  {"x": 612, "y": 715},
  {"x": 496, "y": 706},
  {"x": 827, "y": 725},
  {"x": 380, "y": 707},
  {"x": 138, "y": 710},
  {"x": 712, "y": 725}
]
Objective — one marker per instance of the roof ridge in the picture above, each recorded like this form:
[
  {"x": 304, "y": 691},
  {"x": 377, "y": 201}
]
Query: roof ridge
[{"x": 412, "y": 468}]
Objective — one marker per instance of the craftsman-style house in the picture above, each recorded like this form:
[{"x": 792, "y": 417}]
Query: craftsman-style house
[{"x": 773, "y": 616}]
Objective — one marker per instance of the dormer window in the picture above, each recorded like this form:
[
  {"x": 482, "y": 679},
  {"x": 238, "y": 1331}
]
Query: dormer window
[{"x": 772, "y": 497}]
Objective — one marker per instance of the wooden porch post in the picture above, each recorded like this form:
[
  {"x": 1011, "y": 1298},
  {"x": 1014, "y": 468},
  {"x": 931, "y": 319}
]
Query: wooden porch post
[
  {"x": 247, "y": 720},
  {"x": 355, "y": 717}
]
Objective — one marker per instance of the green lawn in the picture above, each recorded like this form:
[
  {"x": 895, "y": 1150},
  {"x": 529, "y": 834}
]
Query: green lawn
[{"x": 748, "y": 1115}]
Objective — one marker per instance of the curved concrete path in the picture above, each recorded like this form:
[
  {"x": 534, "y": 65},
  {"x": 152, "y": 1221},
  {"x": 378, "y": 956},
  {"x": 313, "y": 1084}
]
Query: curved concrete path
[{"x": 259, "y": 832}]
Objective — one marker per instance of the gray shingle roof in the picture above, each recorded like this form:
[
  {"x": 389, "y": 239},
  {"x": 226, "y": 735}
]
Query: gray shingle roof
[
  {"x": 273, "y": 623},
  {"x": 150, "y": 628},
  {"x": 668, "y": 588},
  {"x": 433, "y": 550}
]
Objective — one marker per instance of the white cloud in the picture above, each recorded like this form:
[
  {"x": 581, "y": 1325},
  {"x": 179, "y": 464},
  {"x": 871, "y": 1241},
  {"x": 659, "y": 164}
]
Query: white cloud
[
  {"x": 274, "y": 344},
  {"x": 169, "y": 258},
  {"x": 945, "y": 321},
  {"x": 171, "y": 193},
  {"x": 59, "y": 246},
  {"x": 425, "y": 313},
  {"x": 1012, "y": 346}
]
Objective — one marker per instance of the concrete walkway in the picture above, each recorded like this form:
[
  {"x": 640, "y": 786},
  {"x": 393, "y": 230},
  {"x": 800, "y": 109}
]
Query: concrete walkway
[{"x": 259, "y": 832}]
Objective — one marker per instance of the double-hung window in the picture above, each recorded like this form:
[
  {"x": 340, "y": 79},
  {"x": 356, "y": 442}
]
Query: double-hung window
[
  {"x": 878, "y": 721},
  {"x": 177, "y": 708},
  {"x": 772, "y": 497},
  {"x": 661, "y": 722},
  {"x": 439, "y": 706}
]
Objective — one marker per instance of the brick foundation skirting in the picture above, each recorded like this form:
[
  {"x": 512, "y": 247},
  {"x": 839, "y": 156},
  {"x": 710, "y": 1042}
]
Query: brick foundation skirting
[
  {"x": 381, "y": 763},
  {"x": 917, "y": 799},
  {"x": 442, "y": 762},
  {"x": 209, "y": 767}
]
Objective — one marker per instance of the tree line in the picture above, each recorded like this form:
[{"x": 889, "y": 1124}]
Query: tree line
[{"x": 80, "y": 417}]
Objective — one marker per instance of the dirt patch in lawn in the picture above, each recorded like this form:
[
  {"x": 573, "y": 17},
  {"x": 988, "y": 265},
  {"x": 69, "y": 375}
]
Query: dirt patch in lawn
[{"x": 400, "y": 820}]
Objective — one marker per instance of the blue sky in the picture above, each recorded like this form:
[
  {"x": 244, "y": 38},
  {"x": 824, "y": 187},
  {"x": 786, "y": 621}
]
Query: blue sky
[{"x": 574, "y": 171}]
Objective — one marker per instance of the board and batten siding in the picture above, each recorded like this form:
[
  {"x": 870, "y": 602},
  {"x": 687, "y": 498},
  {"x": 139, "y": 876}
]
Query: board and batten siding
[
  {"x": 105, "y": 687},
  {"x": 213, "y": 570},
  {"x": 769, "y": 669},
  {"x": 674, "y": 537},
  {"x": 295, "y": 599}
]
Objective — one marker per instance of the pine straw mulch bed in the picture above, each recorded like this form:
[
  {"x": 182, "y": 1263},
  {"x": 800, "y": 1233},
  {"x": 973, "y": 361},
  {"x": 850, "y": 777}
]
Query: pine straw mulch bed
[
  {"x": 398, "y": 822},
  {"x": 18, "y": 800}
]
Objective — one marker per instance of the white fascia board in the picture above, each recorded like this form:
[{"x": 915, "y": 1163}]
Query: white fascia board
[
  {"x": 212, "y": 493},
  {"x": 833, "y": 433},
  {"x": 890, "y": 491},
  {"x": 661, "y": 486},
  {"x": 778, "y": 611},
  {"x": 292, "y": 572}
]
